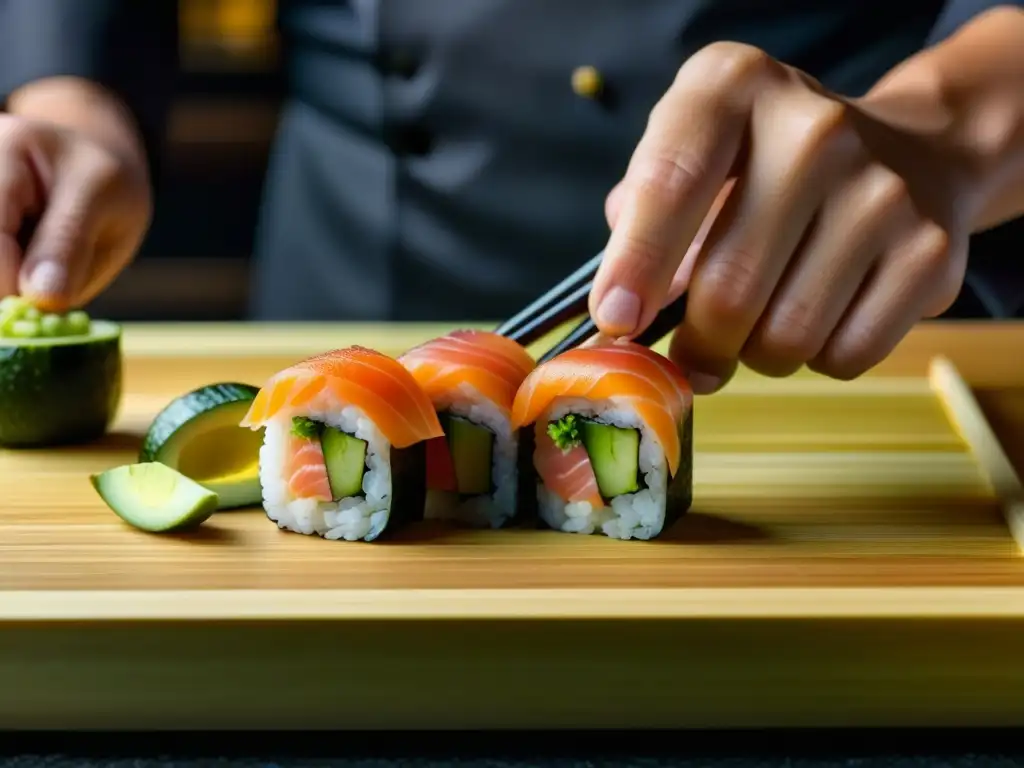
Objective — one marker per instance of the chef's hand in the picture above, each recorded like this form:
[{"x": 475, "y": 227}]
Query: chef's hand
[
  {"x": 814, "y": 232},
  {"x": 82, "y": 179}
]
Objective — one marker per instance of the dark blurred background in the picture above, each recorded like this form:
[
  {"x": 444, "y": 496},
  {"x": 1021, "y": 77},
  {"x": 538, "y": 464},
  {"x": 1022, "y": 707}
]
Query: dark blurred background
[{"x": 194, "y": 264}]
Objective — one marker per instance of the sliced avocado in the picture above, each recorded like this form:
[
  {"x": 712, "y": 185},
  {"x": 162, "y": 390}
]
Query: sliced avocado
[
  {"x": 56, "y": 387},
  {"x": 472, "y": 447},
  {"x": 615, "y": 456},
  {"x": 345, "y": 457},
  {"x": 198, "y": 435},
  {"x": 153, "y": 497}
]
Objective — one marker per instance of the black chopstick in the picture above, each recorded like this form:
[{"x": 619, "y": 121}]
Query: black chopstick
[
  {"x": 662, "y": 325},
  {"x": 563, "y": 302}
]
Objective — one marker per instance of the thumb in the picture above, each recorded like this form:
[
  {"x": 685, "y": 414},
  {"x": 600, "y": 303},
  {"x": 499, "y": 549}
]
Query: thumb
[{"x": 60, "y": 252}]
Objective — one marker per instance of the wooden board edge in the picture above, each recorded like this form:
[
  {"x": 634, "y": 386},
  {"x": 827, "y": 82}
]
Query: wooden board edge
[
  {"x": 501, "y": 675},
  {"x": 753, "y": 604},
  {"x": 514, "y": 674},
  {"x": 969, "y": 420}
]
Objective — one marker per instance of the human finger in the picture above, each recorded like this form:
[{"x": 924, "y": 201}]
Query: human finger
[
  {"x": 851, "y": 233},
  {"x": 691, "y": 144},
  {"x": 681, "y": 279},
  {"x": 59, "y": 256},
  {"x": 919, "y": 274},
  {"x": 801, "y": 144},
  {"x": 17, "y": 202}
]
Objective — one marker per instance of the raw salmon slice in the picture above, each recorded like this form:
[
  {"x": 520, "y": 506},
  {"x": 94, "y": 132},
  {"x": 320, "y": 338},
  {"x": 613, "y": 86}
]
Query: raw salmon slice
[
  {"x": 491, "y": 364},
  {"x": 371, "y": 381},
  {"x": 618, "y": 372},
  {"x": 307, "y": 470},
  {"x": 569, "y": 474}
]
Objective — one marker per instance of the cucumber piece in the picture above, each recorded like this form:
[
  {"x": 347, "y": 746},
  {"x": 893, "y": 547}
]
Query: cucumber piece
[
  {"x": 615, "y": 456},
  {"x": 472, "y": 447},
  {"x": 76, "y": 323},
  {"x": 198, "y": 435},
  {"x": 20, "y": 320},
  {"x": 12, "y": 309},
  {"x": 345, "y": 457},
  {"x": 57, "y": 390},
  {"x": 51, "y": 325},
  {"x": 153, "y": 497},
  {"x": 23, "y": 329}
]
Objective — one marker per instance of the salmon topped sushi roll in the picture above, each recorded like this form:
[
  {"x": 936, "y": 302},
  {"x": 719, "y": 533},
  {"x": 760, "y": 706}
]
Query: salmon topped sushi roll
[
  {"x": 344, "y": 447},
  {"x": 613, "y": 425},
  {"x": 471, "y": 378}
]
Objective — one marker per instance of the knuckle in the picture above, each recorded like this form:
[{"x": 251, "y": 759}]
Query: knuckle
[
  {"x": 848, "y": 358},
  {"x": 790, "y": 334},
  {"x": 735, "y": 64},
  {"x": 637, "y": 262},
  {"x": 937, "y": 262},
  {"x": 885, "y": 192},
  {"x": 728, "y": 285},
  {"x": 668, "y": 178},
  {"x": 827, "y": 126},
  {"x": 933, "y": 248}
]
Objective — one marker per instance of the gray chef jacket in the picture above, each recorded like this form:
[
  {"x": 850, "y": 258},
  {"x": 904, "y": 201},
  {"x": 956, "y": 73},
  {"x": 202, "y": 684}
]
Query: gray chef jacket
[{"x": 433, "y": 160}]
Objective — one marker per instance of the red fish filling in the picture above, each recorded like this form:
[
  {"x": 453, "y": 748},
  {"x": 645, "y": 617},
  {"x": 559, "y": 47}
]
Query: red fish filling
[
  {"x": 461, "y": 461},
  {"x": 581, "y": 460}
]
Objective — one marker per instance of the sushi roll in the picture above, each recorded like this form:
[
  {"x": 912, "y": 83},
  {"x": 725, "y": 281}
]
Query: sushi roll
[
  {"x": 343, "y": 452},
  {"x": 473, "y": 473},
  {"x": 613, "y": 425}
]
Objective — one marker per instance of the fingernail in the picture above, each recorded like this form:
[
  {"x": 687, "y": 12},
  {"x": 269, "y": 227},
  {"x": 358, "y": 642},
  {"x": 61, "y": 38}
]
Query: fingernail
[
  {"x": 703, "y": 383},
  {"x": 49, "y": 277},
  {"x": 619, "y": 311}
]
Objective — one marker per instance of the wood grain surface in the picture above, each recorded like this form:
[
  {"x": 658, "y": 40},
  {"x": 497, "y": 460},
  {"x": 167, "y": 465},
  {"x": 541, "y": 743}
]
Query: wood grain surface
[
  {"x": 846, "y": 562},
  {"x": 799, "y": 482}
]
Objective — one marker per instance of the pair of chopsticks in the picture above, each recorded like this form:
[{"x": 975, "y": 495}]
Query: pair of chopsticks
[{"x": 568, "y": 299}]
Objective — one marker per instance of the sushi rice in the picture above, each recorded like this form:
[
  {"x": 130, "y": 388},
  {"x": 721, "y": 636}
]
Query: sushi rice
[
  {"x": 351, "y": 518},
  {"x": 639, "y": 515},
  {"x": 485, "y": 510}
]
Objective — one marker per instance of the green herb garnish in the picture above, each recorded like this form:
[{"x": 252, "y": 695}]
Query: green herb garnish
[
  {"x": 564, "y": 432},
  {"x": 306, "y": 428}
]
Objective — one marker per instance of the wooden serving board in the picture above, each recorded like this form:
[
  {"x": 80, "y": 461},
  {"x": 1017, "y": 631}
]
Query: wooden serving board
[{"x": 849, "y": 560}]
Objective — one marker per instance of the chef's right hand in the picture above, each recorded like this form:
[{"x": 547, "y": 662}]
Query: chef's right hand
[{"x": 90, "y": 203}]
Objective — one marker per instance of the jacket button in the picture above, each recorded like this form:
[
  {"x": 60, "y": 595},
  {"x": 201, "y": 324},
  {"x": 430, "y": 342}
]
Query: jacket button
[{"x": 587, "y": 82}]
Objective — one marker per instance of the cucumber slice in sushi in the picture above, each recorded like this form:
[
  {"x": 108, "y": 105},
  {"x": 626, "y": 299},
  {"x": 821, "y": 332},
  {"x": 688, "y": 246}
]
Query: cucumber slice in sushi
[
  {"x": 614, "y": 455},
  {"x": 155, "y": 498},
  {"x": 198, "y": 435},
  {"x": 60, "y": 376},
  {"x": 345, "y": 457},
  {"x": 472, "y": 448}
]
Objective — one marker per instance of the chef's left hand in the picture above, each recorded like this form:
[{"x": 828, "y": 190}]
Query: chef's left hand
[{"x": 837, "y": 229}]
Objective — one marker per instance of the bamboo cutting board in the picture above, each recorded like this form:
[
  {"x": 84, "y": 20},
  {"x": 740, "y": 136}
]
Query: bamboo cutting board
[{"x": 850, "y": 560}]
